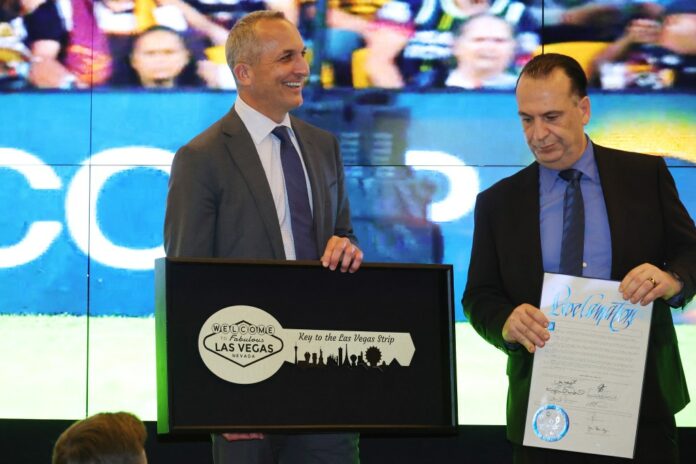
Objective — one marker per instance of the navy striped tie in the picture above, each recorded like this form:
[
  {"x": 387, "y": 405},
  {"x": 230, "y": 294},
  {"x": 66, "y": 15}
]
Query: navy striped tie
[
  {"x": 298, "y": 197},
  {"x": 572, "y": 245}
]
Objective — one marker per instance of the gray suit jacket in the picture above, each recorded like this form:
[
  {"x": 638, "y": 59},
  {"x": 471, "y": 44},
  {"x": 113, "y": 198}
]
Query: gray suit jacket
[{"x": 220, "y": 204}]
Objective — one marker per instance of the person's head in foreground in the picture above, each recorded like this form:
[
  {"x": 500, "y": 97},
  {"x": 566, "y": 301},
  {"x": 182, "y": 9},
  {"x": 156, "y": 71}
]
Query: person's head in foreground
[{"x": 104, "y": 438}]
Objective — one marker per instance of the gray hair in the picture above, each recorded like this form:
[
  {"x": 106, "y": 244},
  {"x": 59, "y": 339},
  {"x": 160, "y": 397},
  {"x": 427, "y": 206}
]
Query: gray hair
[{"x": 242, "y": 42}]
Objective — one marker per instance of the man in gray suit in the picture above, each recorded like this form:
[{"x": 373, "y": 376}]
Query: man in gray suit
[{"x": 230, "y": 196}]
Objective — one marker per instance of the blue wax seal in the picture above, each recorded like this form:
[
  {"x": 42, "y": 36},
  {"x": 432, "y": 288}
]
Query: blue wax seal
[{"x": 550, "y": 422}]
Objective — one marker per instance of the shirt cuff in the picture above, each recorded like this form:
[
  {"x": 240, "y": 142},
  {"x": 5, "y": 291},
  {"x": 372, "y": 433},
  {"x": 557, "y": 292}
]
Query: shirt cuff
[
  {"x": 677, "y": 301},
  {"x": 512, "y": 346}
]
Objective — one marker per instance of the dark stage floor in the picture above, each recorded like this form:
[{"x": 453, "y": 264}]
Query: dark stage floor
[{"x": 31, "y": 442}]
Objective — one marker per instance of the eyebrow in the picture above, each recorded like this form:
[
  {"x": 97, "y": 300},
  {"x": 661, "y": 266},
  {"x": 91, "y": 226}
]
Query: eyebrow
[
  {"x": 291, "y": 50},
  {"x": 548, "y": 113}
]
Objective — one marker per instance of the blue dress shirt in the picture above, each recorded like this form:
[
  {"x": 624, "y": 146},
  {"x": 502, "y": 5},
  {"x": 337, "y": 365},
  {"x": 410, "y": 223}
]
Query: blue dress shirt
[{"x": 597, "y": 253}]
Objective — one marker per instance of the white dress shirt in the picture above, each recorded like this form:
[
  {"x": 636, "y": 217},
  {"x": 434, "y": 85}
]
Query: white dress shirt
[{"x": 268, "y": 149}]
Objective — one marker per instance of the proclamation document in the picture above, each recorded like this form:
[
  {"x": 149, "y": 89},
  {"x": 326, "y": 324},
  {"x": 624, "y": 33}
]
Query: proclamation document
[{"x": 588, "y": 378}]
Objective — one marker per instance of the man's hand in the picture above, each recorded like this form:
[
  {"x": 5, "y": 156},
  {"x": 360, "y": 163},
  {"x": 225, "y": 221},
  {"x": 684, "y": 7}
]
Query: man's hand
[
  {"x": 527, "y": 326},
  {"x": 646, "y": 283},
  {"x": 242, "y": 436},
  {"x": 340, "y": 249}
]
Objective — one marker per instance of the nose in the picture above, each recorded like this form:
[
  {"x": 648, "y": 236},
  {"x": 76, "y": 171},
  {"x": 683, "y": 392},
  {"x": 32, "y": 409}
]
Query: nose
[
  {"x": 539, "y": 131},
  {"x": 301, "y": 66}
]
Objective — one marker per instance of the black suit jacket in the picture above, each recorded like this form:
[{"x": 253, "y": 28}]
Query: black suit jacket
[
  {"x": 220, "y": 204},
  {"x": 648, "y": 224}
]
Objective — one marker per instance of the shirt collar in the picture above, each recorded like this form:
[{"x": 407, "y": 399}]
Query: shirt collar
[
  {"x": 258, "y": 125},
  {"x": 586, "y": 164}
]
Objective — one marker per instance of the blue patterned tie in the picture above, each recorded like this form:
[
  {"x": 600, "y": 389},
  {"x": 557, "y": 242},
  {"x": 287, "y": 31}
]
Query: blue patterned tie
[
  {"x": 573, "y": 225},
  {"x": 298, "y": 198}
]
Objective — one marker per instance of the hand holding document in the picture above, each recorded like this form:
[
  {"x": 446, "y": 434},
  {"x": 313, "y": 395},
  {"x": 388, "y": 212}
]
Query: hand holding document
[{"x": 588, "y": 378}]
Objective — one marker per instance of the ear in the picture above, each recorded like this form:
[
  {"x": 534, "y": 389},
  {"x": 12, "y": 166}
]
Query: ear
[
  {"x": 585, "y": 109},
  {"x": 243, "y": 73}
]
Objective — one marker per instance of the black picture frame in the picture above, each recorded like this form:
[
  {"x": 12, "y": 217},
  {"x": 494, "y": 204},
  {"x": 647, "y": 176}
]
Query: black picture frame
[{"x": 412, "y": 298}]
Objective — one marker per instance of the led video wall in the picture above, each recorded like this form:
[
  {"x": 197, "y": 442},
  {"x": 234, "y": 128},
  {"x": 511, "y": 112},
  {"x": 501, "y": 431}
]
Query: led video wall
[{"x": 84, "y": 169}]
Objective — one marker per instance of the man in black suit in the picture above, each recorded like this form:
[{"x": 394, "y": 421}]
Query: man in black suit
[
  {"x": 231, "y": 196},
  {"x": 636, "y": 231}
]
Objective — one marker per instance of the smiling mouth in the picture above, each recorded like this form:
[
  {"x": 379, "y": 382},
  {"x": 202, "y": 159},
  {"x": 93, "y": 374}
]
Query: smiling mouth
[{"x": 293, "y": 85}]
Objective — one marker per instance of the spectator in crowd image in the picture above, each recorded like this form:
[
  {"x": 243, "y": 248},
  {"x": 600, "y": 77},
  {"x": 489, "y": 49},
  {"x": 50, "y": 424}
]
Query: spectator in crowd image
[
  {"x": 160, "y": 59},
  {"x": 123, "y": 20},
  {"x": 484, "y": 50},
  {"x": 587, "y": 20},
  {"x": 47, "y": 38},
  {"x": 398, "y": 41},
  {"x": 385, "y": 38},
  {"x": 353, "y": 25},
  {"x": 114, "y": 438},
  {"x": 63, "y": 57},
  {"x": 427, "y": 57},
  {"x": 417, "y": 47},
  {"x": 14, "y": 54},
  {"x": 405, "y": 37},
  {"x": 83, "y": 43},
  {"x": 653, "y": 54}
]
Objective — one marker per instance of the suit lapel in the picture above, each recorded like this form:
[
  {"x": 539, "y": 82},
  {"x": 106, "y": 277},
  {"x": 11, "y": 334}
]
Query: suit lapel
[
  {"x": 525, "y": 224},
  {"x": 615, "y": 213},
  {"x": 242, "y": 151}
]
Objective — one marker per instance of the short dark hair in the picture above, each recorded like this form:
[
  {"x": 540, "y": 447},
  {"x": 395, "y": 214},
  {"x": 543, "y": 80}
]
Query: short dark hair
[
  {"x": 113, "y": 438},
  {"x": 545, "y": 64}
]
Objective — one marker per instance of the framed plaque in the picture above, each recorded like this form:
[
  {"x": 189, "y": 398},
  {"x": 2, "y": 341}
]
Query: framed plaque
[{"x": 270, "y": 346}]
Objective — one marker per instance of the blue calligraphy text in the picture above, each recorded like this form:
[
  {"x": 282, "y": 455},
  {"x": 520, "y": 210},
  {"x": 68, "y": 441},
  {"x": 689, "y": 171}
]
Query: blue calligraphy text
[{"x": 618, "y": 314}]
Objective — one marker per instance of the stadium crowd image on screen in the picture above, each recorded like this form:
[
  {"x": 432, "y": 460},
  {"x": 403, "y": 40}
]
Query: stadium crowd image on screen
[{"x": 420, "y": 95}]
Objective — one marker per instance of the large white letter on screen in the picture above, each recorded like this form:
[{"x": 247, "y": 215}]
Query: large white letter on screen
[
  {"x": 40, "y": 234},
  {"x": 83, "y": 195},
  {"x": 463, "y": 183}
]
